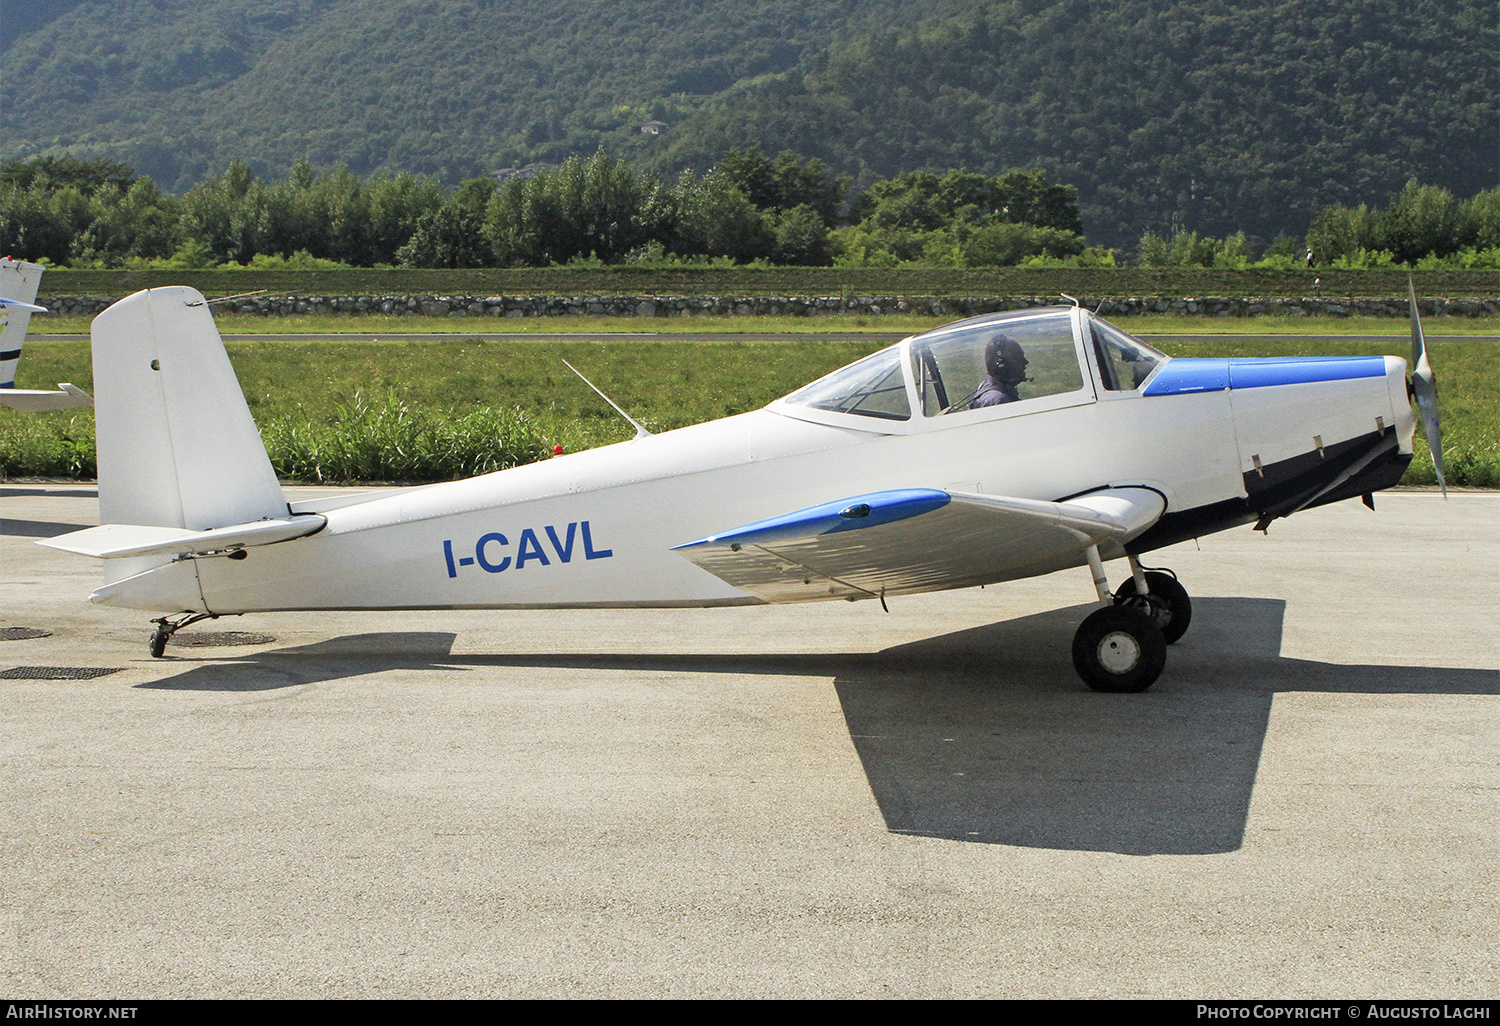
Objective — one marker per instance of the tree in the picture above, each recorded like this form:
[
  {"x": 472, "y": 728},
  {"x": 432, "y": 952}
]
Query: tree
[
  {"x": 222, "y": 213},
  {"x": 54, "y": 173},
  {"x": 801, "y": 238},
  {"x": 598, "y": 206},
  {"x": 787, "y": 182},
  {"x": 714, "y": 217},
  {"x": 925, "y": 201}
]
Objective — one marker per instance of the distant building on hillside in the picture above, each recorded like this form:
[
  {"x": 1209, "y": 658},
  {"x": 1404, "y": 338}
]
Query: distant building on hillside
[{"x": 654, "y": 127}]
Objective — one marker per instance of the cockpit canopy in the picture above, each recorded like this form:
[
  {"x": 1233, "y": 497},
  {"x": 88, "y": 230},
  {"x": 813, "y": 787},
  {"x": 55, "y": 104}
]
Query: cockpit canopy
[{"x": 987, "y": 362}]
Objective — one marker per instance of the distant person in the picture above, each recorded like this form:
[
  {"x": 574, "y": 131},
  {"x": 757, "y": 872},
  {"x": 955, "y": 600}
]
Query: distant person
[
  {"x": 1005, "y": 369},
  {"x": 1309, "y": 258}
]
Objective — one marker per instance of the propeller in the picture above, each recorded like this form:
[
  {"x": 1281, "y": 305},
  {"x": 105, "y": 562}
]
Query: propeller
[{"x": 1424, "y": 387}]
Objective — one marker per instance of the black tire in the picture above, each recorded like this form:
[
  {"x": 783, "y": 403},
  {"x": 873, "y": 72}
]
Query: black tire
[
  {"x": 1119, "y": 650},
  {"x": 1168, "y": 603},
  {"x": 159, "y": 642}
]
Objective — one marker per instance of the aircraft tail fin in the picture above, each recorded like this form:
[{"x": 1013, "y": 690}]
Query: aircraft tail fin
[
  {"x": 177, "y": 446},
  {"x": 18, "y": 284}
]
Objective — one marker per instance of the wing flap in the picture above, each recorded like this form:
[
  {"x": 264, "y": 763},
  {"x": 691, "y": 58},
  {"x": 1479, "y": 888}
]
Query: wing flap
[
  {"x": 913, "y": 540},
  {"x": 118, "y": 541}
]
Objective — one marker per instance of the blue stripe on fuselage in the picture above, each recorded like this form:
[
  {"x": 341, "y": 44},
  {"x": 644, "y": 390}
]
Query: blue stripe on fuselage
[
  {"x": 1297, "y": 370},
  {"x": 884, "y": 508},
  {"x": 1183, "y": 376}
]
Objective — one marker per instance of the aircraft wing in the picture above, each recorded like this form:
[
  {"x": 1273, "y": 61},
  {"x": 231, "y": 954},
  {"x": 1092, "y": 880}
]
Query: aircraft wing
[
  {"x": 918, "y": 539},
  {"x": 27, "y": 401}
]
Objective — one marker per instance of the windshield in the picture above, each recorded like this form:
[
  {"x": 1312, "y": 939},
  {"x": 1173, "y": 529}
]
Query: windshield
[
  {"x": 1124, "y": 362},
  {"x": 996, "y": 361},
  {"x": 872, "y": 387}
]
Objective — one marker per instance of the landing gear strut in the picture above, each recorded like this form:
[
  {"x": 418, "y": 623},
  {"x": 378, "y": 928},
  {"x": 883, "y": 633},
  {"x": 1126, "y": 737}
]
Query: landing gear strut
[
  {"x": 1166, "y": 601},
  {"x": 166, "y": 627},
  {"x": 1122, "y": 646}
]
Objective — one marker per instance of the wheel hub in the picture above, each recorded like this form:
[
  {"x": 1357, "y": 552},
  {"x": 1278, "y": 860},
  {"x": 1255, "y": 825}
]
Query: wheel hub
[{"x": 1119, "y": 652}]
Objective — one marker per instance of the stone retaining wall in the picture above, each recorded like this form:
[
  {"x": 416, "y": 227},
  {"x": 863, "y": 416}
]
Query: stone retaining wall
[{"x": 718, "y": 306}]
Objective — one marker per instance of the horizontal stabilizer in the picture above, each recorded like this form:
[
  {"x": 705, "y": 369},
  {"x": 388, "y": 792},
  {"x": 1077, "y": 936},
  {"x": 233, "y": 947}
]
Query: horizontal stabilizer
[
  {"x": 918, "y": 539},
  {"x": 27, "y": 401},
  {"x": 116, "y": 541},
  {"x": 16, "y": 304}
]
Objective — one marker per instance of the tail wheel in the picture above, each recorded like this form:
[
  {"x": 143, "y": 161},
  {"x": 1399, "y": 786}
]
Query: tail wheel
[
  {"x": 1167, "y": 603},
  {"x": 1119, "y": 649}
]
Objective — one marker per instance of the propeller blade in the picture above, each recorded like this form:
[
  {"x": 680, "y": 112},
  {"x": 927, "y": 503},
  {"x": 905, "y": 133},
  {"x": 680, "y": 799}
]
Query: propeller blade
[{"x": 1424, "y": 385}]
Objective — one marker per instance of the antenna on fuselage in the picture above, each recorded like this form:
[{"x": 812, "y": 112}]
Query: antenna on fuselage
[
  {"x": 242, "y": 295},
  {"x": 640, "y": 432},
  {"x": 1068, "y": 297}
]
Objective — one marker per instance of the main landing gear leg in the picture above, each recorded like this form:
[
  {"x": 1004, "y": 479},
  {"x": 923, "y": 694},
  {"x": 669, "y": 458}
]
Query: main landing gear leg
[
  {"x": 165, "y": 628},
  {"x": 1118, "y": 648},
  {"x": 1158, "y": 594}
]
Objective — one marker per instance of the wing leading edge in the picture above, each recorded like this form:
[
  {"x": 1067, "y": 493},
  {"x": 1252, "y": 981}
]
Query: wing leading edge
[{"x": 918, "y": 539}]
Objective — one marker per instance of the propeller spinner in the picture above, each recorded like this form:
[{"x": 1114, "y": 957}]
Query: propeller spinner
[{"x": 1424, "y": 387}]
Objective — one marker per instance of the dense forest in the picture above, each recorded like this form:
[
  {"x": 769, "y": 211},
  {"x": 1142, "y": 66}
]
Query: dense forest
[
  {"x": 1171, "y": 117},
  {"x": 1207, "y": 116},
  {"x": 747, "y": 209},
  {"x": 450, "y": 89}
]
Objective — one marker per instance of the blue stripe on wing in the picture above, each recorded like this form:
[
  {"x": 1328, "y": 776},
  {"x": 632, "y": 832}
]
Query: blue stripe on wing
[{"x": 850, "y": 514}]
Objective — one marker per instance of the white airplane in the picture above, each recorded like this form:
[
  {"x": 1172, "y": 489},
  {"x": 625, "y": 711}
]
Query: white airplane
[
  {"x": 18, "y": 284},
  {"x": 992, "y": 449}
]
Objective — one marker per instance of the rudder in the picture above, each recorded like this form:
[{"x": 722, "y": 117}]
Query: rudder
[{"x": 176, "y": 444}]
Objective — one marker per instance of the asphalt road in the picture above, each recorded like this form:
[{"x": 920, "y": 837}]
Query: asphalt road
[{"x": 816, "y": 801}]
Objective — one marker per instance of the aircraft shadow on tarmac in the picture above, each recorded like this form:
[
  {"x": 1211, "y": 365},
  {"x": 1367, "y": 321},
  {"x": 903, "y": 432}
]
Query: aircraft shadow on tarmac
[
  {"x": 37, "y": 528},
  {"x": 32, "y": 490},
  {"x": 18, "y": 528},
  {"x": 986, "y": 735}
]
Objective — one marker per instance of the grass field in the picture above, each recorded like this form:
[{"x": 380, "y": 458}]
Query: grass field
[{"x": 448, "y": 407}]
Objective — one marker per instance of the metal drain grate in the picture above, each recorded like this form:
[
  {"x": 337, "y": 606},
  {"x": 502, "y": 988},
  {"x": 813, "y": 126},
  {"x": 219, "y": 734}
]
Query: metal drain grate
[
  {"x": 216, "y": 639},
  {"x": 57, "y": 672},
  {"x": 22, "y": 633}
]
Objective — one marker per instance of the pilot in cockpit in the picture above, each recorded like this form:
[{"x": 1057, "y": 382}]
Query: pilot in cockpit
[{"x": 1005, "y": 369}]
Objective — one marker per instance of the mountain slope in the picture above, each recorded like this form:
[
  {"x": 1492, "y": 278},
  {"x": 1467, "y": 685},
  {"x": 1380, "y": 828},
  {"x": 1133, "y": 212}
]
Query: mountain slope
[
  {"x": 1216, "y": 116},
  {"x": 451, "y": 88},
  {"x": 1209, "y": 115}
]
